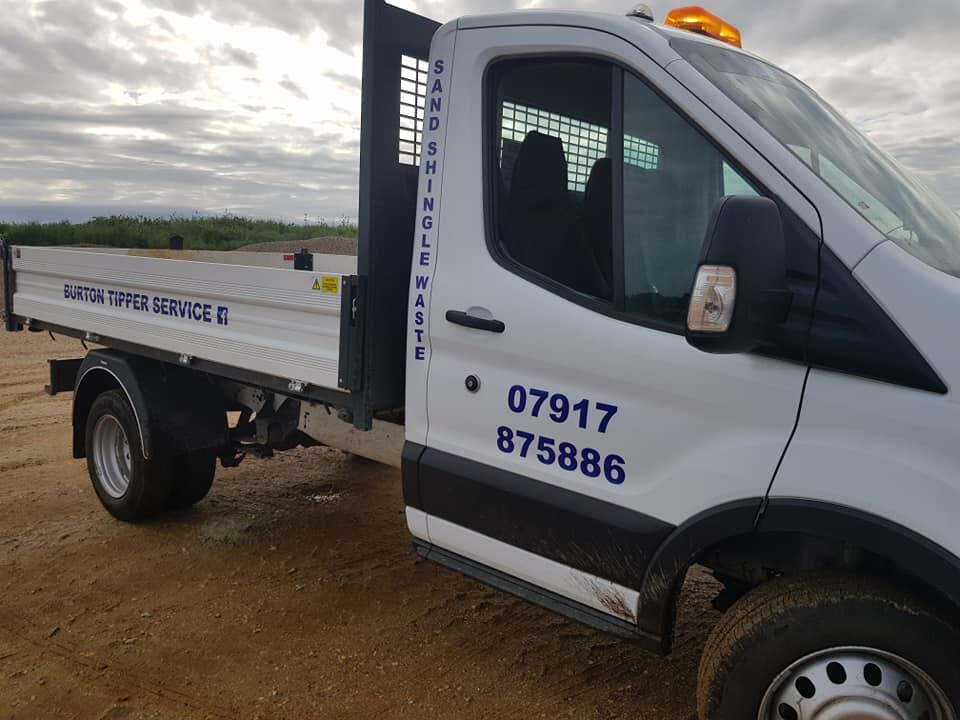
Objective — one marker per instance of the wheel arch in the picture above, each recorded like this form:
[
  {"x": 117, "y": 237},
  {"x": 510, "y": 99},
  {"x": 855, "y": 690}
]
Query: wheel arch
[
  {"x": 93, "y": 380},
  {"x": 663, "y": 578},
  {"x": 790, "y": 535},
  {"x": 177, "y": 410},
  {"x": 914, "y": 555}
]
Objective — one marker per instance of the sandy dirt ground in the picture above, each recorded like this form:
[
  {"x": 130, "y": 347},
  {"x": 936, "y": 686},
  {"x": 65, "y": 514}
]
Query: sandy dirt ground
[{"x": 291, "y": 592}]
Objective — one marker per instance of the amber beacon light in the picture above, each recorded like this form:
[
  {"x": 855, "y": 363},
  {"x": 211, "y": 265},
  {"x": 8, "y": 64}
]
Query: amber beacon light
[{"x": 696, "y": 19}]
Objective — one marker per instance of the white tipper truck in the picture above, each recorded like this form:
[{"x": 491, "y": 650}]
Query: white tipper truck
[{"x": 627, "y": 299}]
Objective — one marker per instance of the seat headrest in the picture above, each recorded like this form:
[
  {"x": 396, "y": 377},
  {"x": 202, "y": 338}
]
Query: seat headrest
[
  {"x": 539, "y": 172},
  {"x": 599, "y": 190}
]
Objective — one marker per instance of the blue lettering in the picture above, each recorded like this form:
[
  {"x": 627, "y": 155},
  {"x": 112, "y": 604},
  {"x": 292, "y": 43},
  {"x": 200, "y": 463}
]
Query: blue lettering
[
  {"x": 425, "y": 259},
  {"x": 430, "y": 167},
  {"x": 437, "y": 86},
  {"x": 419, "y": 352},
  {"x": 418, "y": 317},
  {"x": 431, "y": 151},
  {"x": 422, "y": 281},
  {"x": 433, "y": 123},
  {"x": 428, "y": 204},
  {"x": 438, "y": 67},
  {"x": 419, "y": 302},
  {"x": 435, "y": 104},
  {"x": 427, "y": 222}
]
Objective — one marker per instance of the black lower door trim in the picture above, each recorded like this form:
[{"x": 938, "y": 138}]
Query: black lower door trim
[
  {"x": 590, "y": 535},
  {"x": 538, "y": 596}
]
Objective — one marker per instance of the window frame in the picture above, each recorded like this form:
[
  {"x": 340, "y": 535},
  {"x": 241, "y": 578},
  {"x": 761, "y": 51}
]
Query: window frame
[{"x": 616, "y": 308}]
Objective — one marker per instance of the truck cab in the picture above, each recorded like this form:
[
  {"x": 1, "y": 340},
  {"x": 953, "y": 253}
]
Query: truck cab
[{"x": 666, "y": 307}]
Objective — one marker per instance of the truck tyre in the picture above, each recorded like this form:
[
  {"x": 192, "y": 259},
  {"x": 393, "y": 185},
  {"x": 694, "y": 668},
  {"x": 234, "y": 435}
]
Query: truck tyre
[
  {"x": 192, "y": 478},
  {"x": 830, "y": 647},
  {"x": 130, "y": 487}
]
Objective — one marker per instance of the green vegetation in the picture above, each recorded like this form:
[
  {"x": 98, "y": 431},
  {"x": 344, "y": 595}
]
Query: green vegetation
[{"x": 199, "y": 233}]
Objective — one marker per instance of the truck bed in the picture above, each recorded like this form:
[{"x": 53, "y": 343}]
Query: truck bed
[{"x": 249, "y": 311}]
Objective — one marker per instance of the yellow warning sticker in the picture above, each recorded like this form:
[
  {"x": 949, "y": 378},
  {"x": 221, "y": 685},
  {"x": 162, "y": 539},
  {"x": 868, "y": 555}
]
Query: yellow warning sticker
[{"x": 327, "y": 284}]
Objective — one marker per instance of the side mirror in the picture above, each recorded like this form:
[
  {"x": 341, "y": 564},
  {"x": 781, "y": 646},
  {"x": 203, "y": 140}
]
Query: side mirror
[{"x": 740, "y": 290}]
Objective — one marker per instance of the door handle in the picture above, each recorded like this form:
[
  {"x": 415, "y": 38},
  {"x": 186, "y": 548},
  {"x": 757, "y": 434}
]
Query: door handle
[{"x": 459, "y": 317}]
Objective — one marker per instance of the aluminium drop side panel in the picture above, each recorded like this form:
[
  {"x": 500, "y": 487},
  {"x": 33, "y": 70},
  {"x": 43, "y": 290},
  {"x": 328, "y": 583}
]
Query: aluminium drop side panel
[
  {"x": 344, "y": 264},
  {"x": 387, "y": 198},
  {"x": 266, "y": 320}
]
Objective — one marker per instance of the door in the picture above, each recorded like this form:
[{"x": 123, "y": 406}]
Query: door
[{"x": 565, "y": 444}]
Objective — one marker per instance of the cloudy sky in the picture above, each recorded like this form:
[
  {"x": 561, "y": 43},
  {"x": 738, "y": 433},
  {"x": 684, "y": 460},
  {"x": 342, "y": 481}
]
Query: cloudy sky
[{"x": 252, "y": 106}]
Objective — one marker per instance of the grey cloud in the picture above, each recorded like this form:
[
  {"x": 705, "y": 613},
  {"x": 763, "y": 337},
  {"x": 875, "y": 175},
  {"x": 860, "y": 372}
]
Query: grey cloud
[
  {"x": 247, "y": 172},
  {"x": 350, "y": 82},
  {"x": 60, "y": 142},
  {"x": 76, "y": 17},
  {"x": 340, "y": 19},
  {"x": 164, "y": 24},
  {"x": 290, "y": 86},
  {"x": 950, "y": 91},
  {"x": 54, "y": 65},
  {"x": 61, "y": 62},
  {"x": 862, "y": 86},
  {"x": 240, "y": 57}
]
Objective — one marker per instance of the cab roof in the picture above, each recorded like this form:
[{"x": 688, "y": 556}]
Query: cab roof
[{"x": 650, "y": 37}]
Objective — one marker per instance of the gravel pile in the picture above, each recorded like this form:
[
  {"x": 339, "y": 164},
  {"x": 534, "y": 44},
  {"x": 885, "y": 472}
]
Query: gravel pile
[{"x": 323, "y": 245}]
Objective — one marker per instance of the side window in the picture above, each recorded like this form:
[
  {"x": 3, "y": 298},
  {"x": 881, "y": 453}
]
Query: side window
[
  {"x": 667, "y": 204},
  {"x": 559, "y": 157},
  {"x": 553, "y": 175}
]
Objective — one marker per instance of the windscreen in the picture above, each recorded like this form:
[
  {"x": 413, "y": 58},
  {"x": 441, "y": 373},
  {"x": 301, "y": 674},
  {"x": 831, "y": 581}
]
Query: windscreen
[{"x": 857, "y": 170}]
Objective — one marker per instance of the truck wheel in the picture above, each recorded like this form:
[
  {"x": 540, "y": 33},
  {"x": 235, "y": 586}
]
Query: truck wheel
[
  {"x": 130, "y": 487},
  {"x": 830, "y": 648},
  {"x": 192, "y": 478}
]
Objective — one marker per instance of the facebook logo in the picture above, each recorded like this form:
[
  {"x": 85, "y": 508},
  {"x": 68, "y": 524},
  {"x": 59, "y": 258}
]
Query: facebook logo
[{"x": 222, "y": 315}]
